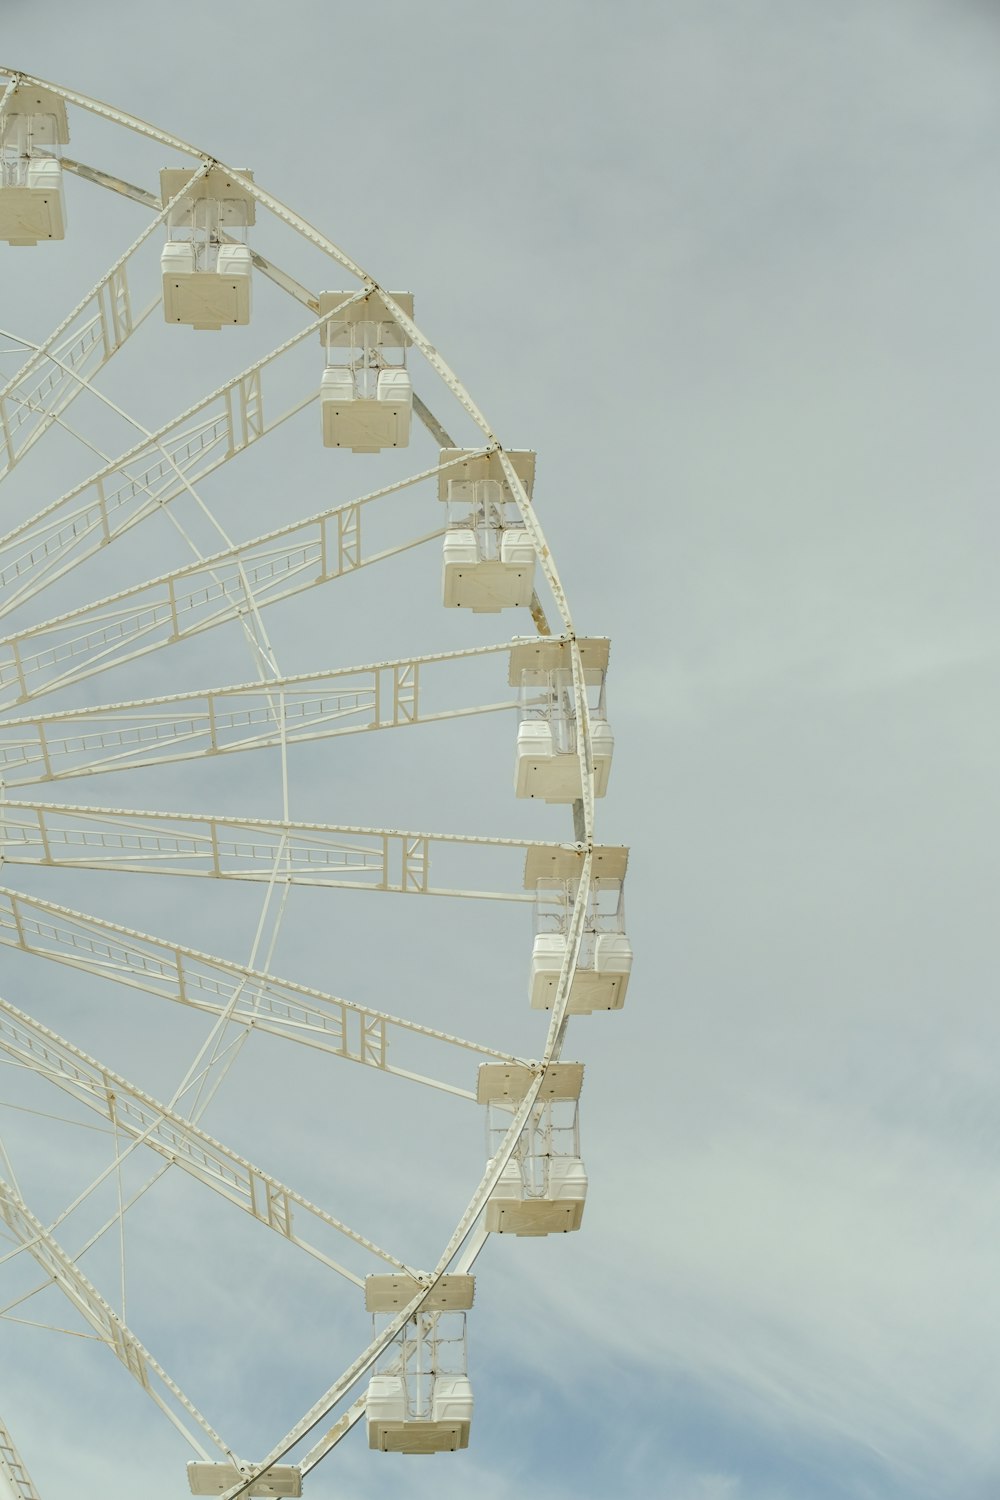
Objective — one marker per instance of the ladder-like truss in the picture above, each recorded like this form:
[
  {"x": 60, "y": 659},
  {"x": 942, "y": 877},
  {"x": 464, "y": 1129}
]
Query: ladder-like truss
[{"x": 12, "y": 1471}]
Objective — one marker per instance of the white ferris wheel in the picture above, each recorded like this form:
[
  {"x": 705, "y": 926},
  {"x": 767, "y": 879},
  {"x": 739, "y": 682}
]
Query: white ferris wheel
[{"x": 189, "y": 569}]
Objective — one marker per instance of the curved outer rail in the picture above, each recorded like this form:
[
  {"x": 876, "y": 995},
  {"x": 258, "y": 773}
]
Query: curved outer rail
[{"x": 558, "y": 1021}]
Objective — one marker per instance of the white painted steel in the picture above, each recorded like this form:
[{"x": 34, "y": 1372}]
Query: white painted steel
[
  {"x": 63, "y": 1271},
  {"x": 172, "y": 971},
  {"x": 177, "y": 1139},
  {"x": 231, "y": 585},
  {"x": 15, "y": 1481},
  {"x": 216, "y": 847},
  {"x": 221, "y": 721}
]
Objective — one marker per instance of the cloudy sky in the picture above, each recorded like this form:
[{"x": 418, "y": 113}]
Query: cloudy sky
[{"x": 729, "y": 266}]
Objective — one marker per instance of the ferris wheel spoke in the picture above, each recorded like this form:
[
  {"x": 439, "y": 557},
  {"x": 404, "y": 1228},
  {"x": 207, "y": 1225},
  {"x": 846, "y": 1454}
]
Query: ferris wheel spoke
[
  {"x": 115, "y": 184},
  {"x": 149, "y": 475},
  {"x": 31, "y": 1233},
  {"x": 218, "y": 986},
  {"x": 332, "y": 1437},
  {"x": 228, "y": 586},
  {"x": 30, "y": 404},
  {"x": 256, "y": 849},
  {"x": 148, "y": 1122},
  {"x": 12, "y": 1469},
  {"x": 248, "y": 716}
]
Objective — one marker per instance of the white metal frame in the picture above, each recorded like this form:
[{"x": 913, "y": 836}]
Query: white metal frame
[
  {"x": 12, "y": 1469},
  {"x": 234, "y": 581}
]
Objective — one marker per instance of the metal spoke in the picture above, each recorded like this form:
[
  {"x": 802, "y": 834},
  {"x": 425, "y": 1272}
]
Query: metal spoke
[
  {"x": 115, "y": 184},
  {"x": 186, "y": 976},
  {"x": 331, "y": 1438},
  {"x": 12, "y": 1469},
  {"x": 219, "y": 721},
  {"x": 194, "y": 598},
  {"x": 339, "y": 855},
  {"x": 146, "y": 477},
  {"x": 30, "y": 403},
  {"x": 84, "y": 1296},
  {"x": 184, "y": 1144}
]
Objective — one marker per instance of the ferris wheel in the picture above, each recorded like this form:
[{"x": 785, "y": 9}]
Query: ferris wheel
[{"x": 255, "y": 579}]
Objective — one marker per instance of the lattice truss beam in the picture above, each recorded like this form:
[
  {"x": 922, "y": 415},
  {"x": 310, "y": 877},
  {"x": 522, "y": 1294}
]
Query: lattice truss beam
[
  {"x": 219, "y": 987},
  {"x": 63, "y": 1271},
  {"x": 149, "y": 476},
  {"x": 47, "y": 383},
  {"x": 12, "y": 1469},
  {"x": 155, "y": 471},
  {"x": 255, "y": 849},
  {"x": 218, "y": 721},
  {"x": 228, "y": 586},
  {"x": 136, "y": 1114}
]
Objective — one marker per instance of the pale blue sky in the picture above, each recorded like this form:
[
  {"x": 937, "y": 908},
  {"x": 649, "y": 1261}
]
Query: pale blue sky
[{"x": 731, "y": 269}]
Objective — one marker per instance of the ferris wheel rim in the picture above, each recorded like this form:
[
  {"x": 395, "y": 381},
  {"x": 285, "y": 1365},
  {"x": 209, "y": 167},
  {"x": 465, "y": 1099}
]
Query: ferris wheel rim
[{"x": 463, "y": 1245}]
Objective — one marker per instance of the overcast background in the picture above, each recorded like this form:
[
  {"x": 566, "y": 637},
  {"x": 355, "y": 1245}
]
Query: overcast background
[{"x": 731, "y": 269}]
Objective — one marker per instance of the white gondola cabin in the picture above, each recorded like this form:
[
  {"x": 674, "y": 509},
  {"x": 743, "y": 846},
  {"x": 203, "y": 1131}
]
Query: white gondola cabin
[
  {"x": 489, "y": 557},
  {"x": 542, "y": 1189},
  {"x": 32, "y": 207},
  {"x": 206, "y": 263},
  {"x": 420, "y": 1398},
  {"x": 366, "y": 394},
  {"x": 604, "y": 962},
  {"x": 547, "y": 764}
]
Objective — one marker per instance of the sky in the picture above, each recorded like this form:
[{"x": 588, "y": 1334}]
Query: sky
[{"x": 730, "y": 269}]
